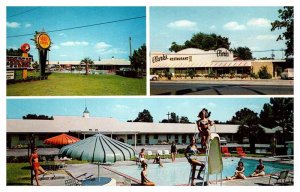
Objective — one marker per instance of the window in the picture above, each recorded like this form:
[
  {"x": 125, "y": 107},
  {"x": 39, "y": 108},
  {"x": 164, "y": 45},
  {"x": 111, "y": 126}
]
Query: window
[
  {"x": 139, "y": 139},
  {"x": 176, "y": 138},
  {"x": 155, "y": 136},
  {"x": 147, "y": 139},
  {"x": 90, "y": 129},
  {"x": 184, "y": 138},
  {"x": 129, "y": 137},
  {"x": 22, "y": 137},
  {"x": 96, "y": 130}
]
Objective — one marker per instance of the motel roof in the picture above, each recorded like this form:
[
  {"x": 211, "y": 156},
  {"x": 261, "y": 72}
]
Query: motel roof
[
  {"x": 112, "y": 61},
  {"x": 63, "y": 124}
]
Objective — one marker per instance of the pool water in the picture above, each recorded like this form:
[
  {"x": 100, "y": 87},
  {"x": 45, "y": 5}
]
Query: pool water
[{"x": 178, "y": 173}]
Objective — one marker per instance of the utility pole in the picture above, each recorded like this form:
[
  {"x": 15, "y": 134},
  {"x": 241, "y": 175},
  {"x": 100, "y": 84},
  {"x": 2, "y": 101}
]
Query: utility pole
[
  {"x": 168, "y": 115},
  {"x": 130, "y": 51}
]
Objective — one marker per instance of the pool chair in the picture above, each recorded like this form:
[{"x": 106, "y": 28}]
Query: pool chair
[
  {"x": 149, "y": 153},
  {"x": 281, "y": 176},
  {"x": 159, "y": 152},
  {"x": 166, "y": 153},
  {"x": 225, "y": 151},
  {"x": 241, "y": 152},
  {"x": 75, "y": 181}
]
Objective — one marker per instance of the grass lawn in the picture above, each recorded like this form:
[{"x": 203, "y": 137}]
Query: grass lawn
[{"x": 59, "y": 84}]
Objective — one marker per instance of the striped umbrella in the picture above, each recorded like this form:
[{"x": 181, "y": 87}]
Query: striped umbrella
[
  {"x": 62, "y": 139},
  {"x": 98, "y": 148}
]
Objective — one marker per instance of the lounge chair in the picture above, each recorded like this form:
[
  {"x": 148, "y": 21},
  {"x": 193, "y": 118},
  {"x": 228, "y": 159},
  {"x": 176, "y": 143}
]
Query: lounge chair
[
  {"x": 159, "y": 152},
  {"x": 75, "y": 181},
  {"x": 241, "y": 152},
  {"x": 282, "y": 176},
  {"x": 166, "y": 153},
  {"x": 149, "y": 153},
  {"x": 225, "y": 151}
]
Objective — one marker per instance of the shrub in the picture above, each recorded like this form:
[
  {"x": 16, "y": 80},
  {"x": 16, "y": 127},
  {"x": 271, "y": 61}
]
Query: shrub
[
  {"x": 191, "y": 73},
  {"x": 253, "y": 75},
  {"x": 263, "y": 73}
]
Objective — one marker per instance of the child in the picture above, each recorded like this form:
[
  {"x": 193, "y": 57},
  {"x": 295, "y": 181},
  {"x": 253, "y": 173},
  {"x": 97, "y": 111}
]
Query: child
[{"x": 145, "y": 181}]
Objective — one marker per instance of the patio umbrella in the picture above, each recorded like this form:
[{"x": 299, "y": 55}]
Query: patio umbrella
[
  {"x": 62, "y": 139},
  {"x": 98, "y": 148}
]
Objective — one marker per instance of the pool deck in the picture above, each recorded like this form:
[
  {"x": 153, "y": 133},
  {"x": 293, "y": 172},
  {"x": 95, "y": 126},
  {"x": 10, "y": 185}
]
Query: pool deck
[{"x": 92, "y": 169}]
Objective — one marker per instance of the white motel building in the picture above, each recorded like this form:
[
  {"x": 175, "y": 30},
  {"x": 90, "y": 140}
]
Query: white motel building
[
  {"x": 134, "y": 133},
  {"x": 220, "y": 61}
]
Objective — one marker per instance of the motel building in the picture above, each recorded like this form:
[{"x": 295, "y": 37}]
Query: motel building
[
  {"x": 220, "y": 62},
  {"x": 134, "y": 133},
  {"x": 104, "y": 66}
]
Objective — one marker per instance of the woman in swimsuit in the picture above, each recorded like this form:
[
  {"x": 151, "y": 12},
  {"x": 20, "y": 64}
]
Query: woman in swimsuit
[
  {"x": 157, "y": 160},
  {"x": 144, "y": 180},
  {"x": 260, "y": 170},
  {"x": 239, "y": 172},
  {"x": 190, "y": 151},
  {"x": 142, "y": 155},
  {"x": 173, "y": 151},
  {"x": 203, "y": 126},
  {"x": 34, "y": 162}
]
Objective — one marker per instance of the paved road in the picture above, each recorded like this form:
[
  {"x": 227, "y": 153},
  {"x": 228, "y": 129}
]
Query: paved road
[{"x": 266, "y": 87}]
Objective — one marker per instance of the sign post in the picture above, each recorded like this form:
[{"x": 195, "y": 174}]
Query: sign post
[{"x": 43, "y": 43}]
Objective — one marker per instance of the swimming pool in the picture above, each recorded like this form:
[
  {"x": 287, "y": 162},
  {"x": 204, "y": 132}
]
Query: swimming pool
[{"x": 178, "y": 173}]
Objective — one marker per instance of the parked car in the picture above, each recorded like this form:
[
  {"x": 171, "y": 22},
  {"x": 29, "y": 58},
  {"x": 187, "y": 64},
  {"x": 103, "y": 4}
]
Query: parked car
[
  {"x": 245, "y": 140},
  {"x": 153, "y": 77},
  {"x": 288, "y": 73},
  {"x": 223, "y": 141}
]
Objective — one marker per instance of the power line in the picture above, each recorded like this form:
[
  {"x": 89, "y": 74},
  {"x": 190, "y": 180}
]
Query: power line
[
  {"x": 79, "y": 27},
  {"x": 21, "y": 13}
]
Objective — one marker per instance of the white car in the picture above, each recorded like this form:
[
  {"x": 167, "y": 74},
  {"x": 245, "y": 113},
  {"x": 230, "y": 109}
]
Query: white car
[
  {"x": 154, "y": 77},
  {"x": 223, "y": 141},
  {"x": 288, "y": 74}
]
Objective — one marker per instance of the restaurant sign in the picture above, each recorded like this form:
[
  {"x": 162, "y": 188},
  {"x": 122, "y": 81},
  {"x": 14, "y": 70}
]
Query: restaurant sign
[
  {"x": 165, "y": 57},
  {"x": 42, "y": 40}
]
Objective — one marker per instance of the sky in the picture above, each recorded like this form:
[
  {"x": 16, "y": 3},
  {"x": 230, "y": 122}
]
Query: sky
[
  {"x": 124, "y": 109},
  {"x": 102, "y": 41},
  {"x": 244, "y": 26}
]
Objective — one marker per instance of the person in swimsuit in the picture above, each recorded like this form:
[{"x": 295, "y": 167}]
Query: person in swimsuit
[
  {"x": 188, "y": 153},
  {"x": 142, "y": 155},
  {"x": 173, "y": 151},
  {"x": 34, "y": 162},
  {"x": 203, "y": 126},
  {"x": 260, "y": 170},
  {"x": 144, "y": 180},
  {"x": 239, "y": 172},
  {"x": 157, "y": 160}
]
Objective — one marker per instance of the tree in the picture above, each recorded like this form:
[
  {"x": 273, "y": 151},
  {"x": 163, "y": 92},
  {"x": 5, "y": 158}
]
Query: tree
[
  {"x": 87, "y": 61},
  {"x": 16, "y": 52},
  {"x": 248, "y": 121},
  {"x": 138, "y": 59},
  {"x": 203, "y": 41},
  {"x": 280, "y": 112},
  {"x": 243, "y": 53},
  {"x": 263, "y": 73},
  {"x": 174, "y": 118},
  {"x": 286, "y": 16},
  {"x": 144, "y": 116},
  {"x": 184, "y": 119}
]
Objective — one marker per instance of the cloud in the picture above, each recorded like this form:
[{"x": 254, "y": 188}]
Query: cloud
[
  {"x": 234, "y": 26},
  {"x": 74, "y": 43},
  {"x": 63, "y": 55},
  {"x": 259, "y": 22},
  {"x": 102, "y": 46},
  {"x": 27, "y": 25},
  {"x": 183, "y": 25},
  {"x": 266, "y": 37},
  {"x": 62, "y": 34},
  {"x": 13, "y": 24},
  {"x": 107, "y": 49},
  {"x": 55, "y": 47},
  {"x": 213, "y": 27}
]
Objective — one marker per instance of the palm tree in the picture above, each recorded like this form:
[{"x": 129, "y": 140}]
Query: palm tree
[{"x": 87, "y": 61}]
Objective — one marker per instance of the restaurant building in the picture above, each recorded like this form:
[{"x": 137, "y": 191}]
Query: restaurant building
[{"x": 218, "y": 62}]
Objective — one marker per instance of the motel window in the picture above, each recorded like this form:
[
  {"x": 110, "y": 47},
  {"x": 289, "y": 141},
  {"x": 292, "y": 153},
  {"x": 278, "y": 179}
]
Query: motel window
[
  {"x": 129, "y": 137},
  {"x": 22, "y": 137},
  {"x": 139, "y": 139},
  {"x": 96, "y": 129},
  {"x": 155, "y": 136},
  {"x": 90, "y": 129},
  {"x": 176, "y": 138},
  {"x": 184, "y": 138},
  {"x": 42, "y": 137},
  {"x": 147, "y": 139}
]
